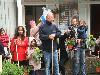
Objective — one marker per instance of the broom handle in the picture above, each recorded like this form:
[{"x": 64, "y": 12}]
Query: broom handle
[
  {"x": 9, "y": 49},
  {"x": 52, "y": 57},
  {"x": 17, "y": 53},
  {"x": 59, "y": 54}
]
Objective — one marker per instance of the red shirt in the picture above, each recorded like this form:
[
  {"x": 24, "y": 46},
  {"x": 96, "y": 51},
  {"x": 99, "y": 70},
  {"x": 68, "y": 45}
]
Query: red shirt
[
  {"x": 19, "y": 49},
  {"x": 4, "y": 39}
]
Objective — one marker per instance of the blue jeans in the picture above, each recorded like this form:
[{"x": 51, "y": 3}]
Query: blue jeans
[
  {"x": 79, "y": 66},
  {"x": 48, "y": 59}
]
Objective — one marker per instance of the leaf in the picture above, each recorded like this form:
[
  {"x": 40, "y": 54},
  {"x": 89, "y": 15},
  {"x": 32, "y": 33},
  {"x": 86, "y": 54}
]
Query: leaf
[
  {"x": 70, "y": 42},
  {"x": 97, "y": 63},
  {"x": 37, "y": 55},
  {"x": 91, "y": 41}
]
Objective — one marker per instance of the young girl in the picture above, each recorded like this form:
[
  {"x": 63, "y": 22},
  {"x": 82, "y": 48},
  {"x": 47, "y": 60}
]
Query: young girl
[
  {"x": 34, "y": 32},
  {"x": 4, "y": 38},
  {"x": 32, "y": 63}
]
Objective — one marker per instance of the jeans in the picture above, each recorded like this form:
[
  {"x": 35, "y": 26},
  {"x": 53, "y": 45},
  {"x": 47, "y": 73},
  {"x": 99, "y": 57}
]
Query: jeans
[
  {"x": 48, "y": 59},
  {"x": 79, "y": 66}
]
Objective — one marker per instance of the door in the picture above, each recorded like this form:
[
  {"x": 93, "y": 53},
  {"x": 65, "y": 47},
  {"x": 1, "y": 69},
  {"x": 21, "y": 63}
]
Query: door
[
  {"x": 95, "y": 19},
  {"x": 32, "y": 13}
]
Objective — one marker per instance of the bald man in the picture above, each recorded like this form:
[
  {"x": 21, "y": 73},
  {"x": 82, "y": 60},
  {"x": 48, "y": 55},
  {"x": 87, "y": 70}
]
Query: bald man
[{"x": 49, "y": 32}]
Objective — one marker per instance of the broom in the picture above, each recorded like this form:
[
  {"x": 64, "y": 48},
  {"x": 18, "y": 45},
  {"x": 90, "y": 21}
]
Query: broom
[{"x": 52, "y": 57}]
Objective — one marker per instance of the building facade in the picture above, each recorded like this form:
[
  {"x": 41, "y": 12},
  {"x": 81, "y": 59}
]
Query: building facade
[
  {"x": 89, "y": 11},
  {"x": 8, "y": 17},
  {"x": 19, "y": 12}
]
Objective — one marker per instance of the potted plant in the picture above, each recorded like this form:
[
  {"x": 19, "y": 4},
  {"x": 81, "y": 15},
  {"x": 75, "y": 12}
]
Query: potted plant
[
  {"x": 97, "y": 65},
  {"x": 91, "y": 41},
  {"x": 37, "y": 55},
  {"x": 70, "y": 43}
]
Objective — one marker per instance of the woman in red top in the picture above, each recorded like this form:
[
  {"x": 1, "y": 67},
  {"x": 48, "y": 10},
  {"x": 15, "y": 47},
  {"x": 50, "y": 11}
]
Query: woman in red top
[{"x": 19, "y": 46}]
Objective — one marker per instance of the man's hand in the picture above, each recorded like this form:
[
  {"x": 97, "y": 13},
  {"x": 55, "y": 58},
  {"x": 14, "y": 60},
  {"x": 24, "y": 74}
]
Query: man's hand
[
  {"x": 78, "y": 41},
  {"x": 52, "y": 36}
]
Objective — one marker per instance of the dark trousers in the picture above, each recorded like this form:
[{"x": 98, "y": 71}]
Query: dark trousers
[
  {"x": 62, "y": 69},
  {"x": 63, "y": 59},
  {"x": 32, "y": 72},
  {"x": 37, "y": 72}
]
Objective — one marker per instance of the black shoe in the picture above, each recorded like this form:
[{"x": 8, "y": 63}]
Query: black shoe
[
  {"x": 32, "y": 72},
  {"x": 62, "y": 70}
]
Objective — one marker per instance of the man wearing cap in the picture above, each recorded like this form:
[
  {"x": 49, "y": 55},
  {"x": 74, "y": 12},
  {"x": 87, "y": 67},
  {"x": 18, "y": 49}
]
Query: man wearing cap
[{"x": 48, "y": 33}]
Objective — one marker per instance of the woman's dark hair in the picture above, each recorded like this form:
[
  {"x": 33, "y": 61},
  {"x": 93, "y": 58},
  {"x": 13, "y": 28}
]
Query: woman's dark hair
[
  {"x": 1, "y": 29},
  {"x": 17, "y": 34}
]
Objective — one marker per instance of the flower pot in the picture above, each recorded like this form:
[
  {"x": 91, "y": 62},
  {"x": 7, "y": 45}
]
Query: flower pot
[
  {"x": 98, "y": 69},
  {"x": 70, "y": 46}
]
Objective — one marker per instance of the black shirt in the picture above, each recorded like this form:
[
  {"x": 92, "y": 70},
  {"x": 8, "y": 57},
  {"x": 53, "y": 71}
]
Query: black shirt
[{"x": 44, "y": 32}]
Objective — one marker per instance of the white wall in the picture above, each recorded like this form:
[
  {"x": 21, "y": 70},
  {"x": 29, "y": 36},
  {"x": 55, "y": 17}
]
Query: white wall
[
  {"x": 84, "y": 13},
  {"x": 21, "y": 13},
  {"x": 8, "y": 16}
]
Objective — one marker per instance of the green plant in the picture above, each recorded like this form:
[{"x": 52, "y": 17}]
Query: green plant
[
  {"x": 37, "y": 55},
  {"x": 97, "y": 63},
  {"x": 29, "y": 68},
  {"x": 11, "y": 69},
  {"x": 70, "y": 42},
  {"x": 91, "y": 41}
]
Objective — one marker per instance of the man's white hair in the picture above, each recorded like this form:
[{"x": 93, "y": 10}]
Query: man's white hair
[{"x": 45, "y": 11}]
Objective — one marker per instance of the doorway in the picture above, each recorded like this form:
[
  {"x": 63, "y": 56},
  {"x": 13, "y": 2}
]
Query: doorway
[
  {"x": 32, "y": 13},
  {"x": 95, "y": 19}
]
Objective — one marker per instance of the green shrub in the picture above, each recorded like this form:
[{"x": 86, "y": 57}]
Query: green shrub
[{"x": 12, "y": 69}]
